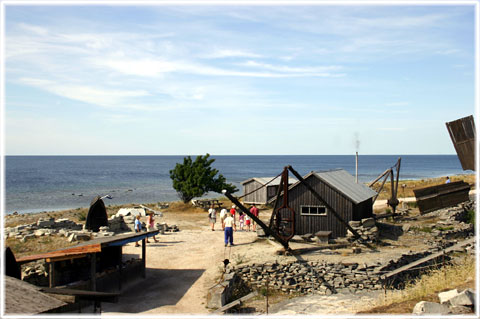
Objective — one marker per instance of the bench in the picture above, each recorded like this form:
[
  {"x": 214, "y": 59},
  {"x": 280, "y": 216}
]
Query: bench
[{"x": 323, "y": 236}]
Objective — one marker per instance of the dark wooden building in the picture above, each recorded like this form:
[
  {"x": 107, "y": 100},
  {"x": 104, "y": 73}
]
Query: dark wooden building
[
  {"x": 263, "y": 194},
  {"x": 462, "y": 133},
  {"x": 338, "y": 189}
]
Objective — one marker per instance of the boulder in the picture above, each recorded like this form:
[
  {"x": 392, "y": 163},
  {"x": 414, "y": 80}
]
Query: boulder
[
  {"x": 426, "y": 307},
  {"x": 464, "y": 298},
  {"x": 447, "y": 295},
  {"x": 354, "y": 223},
  {"x": 368, "y": 222},
  {"x": 39, "y": 232}
]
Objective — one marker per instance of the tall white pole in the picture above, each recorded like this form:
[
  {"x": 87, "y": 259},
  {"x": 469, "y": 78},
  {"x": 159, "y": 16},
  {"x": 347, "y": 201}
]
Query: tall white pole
[{"x": 356, "y": 167}]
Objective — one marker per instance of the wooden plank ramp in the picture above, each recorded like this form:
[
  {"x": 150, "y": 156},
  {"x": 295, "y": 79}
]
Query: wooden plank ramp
[
  {"x": 428, "y": 258},
  {"x": 236, "y": 302}
]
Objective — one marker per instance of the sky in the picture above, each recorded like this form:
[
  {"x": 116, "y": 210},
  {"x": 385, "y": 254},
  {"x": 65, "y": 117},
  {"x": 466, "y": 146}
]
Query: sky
[{"x": 236, "y": 79}]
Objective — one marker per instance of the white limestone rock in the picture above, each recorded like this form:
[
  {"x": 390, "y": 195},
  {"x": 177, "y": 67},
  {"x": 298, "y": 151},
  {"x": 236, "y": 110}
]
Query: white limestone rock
[
  {"x": 426, "y": 307},
  {"x": 464, "y": 298},
  {"x": 447, "y": 295}
]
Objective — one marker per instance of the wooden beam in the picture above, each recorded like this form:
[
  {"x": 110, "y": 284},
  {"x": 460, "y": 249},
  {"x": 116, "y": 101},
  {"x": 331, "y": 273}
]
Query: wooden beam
[
  {"x": 73, "y": 251},
  {"x": 51, "y": 274},
  {"x": 428, "y": 258},
  {"x": 93, "y": 272},
  {"x": 236, "y": 302},
  {"x": 120, "y": 269},
  {"x": 144, "y": 255},
  {"x": 69, "y": 257}
]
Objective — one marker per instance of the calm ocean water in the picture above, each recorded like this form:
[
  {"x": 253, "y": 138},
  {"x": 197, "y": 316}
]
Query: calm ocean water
[{"x": 40, "y": 183}]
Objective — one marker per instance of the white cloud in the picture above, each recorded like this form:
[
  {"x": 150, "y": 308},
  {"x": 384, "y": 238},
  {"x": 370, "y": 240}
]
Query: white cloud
[
  {"x": 88, "y": 94},
  {"x": 37, "y": 30},
  {"x": 231, "y": 53},
  {"x": 320, "y": 70}
]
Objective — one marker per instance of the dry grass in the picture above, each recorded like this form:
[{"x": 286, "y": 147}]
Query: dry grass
[
  {"x": 182, "y": 207},
  {"x": 460, "y": 274},
  {"x": 410, "y": 185},
  {"x": 37, "y": 245}
]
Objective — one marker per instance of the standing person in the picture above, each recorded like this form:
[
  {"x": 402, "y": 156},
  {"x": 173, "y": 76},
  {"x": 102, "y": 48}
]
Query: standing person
[
  {"x": 138, "y": 227},
  {"x": 241, "y": 218},
  {"x": 212, "y": 215},
  {"x": 447, "y": 180},
  {"x": 247, "y": 222},
  {"x": 254, "y": 211},
  {"x": 151, "y": 225},
  {"x": 229, "y": 226},
  {"x": 233, "y": 212},
  {"x": 223, "y": 214}
]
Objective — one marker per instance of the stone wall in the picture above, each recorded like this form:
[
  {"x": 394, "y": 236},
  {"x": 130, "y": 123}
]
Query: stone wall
[{"x": 301, "y": 277}]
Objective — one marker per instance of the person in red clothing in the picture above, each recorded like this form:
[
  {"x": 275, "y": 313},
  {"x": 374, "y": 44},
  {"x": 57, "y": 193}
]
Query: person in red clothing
[
  {"x": 233, "y": 212},
  {"x": 254, "y": 211}
]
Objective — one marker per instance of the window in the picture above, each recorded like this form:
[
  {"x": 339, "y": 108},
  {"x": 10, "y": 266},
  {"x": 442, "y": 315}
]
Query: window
[{"x": 313, "y": 210}]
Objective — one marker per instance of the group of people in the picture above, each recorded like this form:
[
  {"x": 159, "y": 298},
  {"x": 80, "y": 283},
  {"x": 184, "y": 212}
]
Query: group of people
[
  {"x": 150, "y": 226},
  {"x": 229, "y": 221}
]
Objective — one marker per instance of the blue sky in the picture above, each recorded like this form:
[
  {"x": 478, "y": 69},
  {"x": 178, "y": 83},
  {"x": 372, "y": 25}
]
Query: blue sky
[{"x": 236, "y": 79}]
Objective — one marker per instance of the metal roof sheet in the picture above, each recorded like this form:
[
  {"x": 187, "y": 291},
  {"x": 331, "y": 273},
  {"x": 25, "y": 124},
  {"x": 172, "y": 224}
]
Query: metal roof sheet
[
  {"x": 264, "y": 180},
  {"x": 345, "y": 183}
]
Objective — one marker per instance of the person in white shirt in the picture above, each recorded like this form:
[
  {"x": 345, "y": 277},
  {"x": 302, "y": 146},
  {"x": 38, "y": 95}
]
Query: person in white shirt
[
  {"x": 229, "y": 226},
  {"x": 212, "y": 215},
  {"x": 223, "y": 214}
]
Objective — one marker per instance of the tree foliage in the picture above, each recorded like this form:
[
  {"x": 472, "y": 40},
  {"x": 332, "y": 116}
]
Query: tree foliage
[{"x": 196, "y": 178}]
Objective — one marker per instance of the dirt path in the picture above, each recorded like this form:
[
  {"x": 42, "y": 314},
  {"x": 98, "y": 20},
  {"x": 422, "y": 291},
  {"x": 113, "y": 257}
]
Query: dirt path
[{"x": 180, "y": 270}]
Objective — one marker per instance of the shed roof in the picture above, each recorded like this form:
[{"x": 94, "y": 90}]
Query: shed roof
[
  {"x": 265, "y": 180},
  {"x": 26, "y": 299},
  {"x": 345, "y": 183},
  {"x": 90, "y": 246}
]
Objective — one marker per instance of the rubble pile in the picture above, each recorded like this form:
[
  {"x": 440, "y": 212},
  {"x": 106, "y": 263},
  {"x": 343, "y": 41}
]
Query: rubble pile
[
  {"x": 35, "y": 273},
  {"x": 366, "y": 228},
  {"x": 46, "y": 227}
]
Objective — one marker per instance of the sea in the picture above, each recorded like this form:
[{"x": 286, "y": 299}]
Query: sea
[{"x": 51, "y": 183}]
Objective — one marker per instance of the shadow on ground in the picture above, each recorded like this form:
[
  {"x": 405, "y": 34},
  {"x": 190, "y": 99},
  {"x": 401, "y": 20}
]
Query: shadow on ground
[{"x": 161, "y": 287}]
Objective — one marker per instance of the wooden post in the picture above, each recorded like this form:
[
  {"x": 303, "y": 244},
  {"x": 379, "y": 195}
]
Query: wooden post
[
  {"x": 93, "y": 272},
  {"x": 120, "y": 269},
  {"x": 144, "y": 255},
  {"x": 277, "y": 198},
  {"x": 51, "y": 274}
]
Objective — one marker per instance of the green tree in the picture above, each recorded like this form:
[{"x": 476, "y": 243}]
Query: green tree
[{"x": 196, "y": 178}]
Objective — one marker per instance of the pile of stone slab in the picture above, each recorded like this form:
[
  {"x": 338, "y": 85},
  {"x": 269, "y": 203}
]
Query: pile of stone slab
[
  {"x": 117, "y": 224},
  {"x": 366, "y": 228},
  {"x": 35, "y": 273},
  {"x": 451, "y": 302},
  {"x": 46, "y": 227}
]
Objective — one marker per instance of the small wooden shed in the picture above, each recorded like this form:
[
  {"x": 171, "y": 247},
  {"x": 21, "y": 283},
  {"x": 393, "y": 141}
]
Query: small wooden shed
[
  {"x": 339, "y": 190},
  {"x": 263, "y": 194}
]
